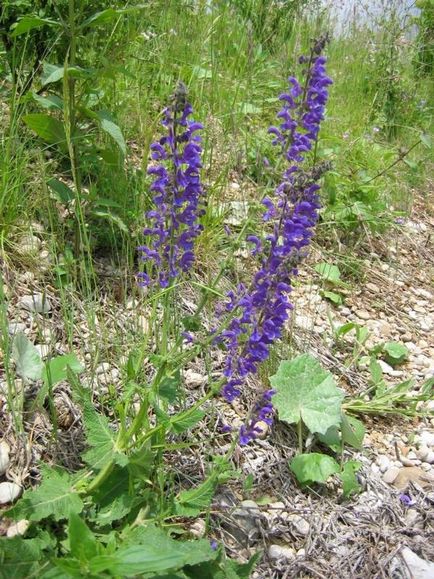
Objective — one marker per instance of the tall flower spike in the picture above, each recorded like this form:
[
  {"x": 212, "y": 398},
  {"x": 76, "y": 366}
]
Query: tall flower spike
[
  {"x": 178, "y": 195},
  {"x": 263, "y": 308}
]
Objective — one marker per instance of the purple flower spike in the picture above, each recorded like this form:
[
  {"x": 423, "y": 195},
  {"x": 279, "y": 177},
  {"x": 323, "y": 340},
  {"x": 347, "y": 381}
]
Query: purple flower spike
[
  {"x": 291, "y": 215},
  {"x": 178, "y": 196}
]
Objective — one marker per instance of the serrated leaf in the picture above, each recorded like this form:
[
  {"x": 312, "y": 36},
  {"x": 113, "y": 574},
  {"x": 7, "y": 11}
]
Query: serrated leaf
[
  {"x": 82, "y": 542},
  {"x": 186, "y": 420},
  {"x": 21, "y": 557},
  {"x": 150, "y": 550},
  {"x": 114, "y": 499},
  {"x": 26, "y": 357},
  {"x": 350, "y": 484},
  {"x": 332, "y": 438},
  {"x": 99, "y": 436},
  {"x": 47, "y": 127},
  {"x": 192, "y": 502},
  {"x": 313, "y": 468},
  {"x": 28, "y": 23},
  {"x": 307, "y": 392},
  {"x": 55, "y": 497}
]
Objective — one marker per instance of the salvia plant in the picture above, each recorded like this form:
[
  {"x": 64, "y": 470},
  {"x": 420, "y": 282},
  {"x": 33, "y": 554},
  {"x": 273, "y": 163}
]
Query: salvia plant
[{"x": 122, "y": 539}]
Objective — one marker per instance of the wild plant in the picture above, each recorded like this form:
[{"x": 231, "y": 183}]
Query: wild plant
[{"x": 125, "y": 492}]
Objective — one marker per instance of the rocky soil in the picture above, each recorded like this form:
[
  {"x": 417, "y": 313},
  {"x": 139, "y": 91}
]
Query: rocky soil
[{"x": 385, "y": 531}]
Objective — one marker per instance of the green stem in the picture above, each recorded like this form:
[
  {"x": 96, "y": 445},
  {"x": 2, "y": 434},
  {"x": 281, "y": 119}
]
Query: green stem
[{"x": 300, "y": 436}]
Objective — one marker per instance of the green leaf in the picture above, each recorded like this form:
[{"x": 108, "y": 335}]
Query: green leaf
[
  {"x": 348, "y": 477},
  {"x": 48, "y": 102},
  {"x": 192, "y": 502},
  {"x": 112, "y": 217},
  {"x": 169, "y": 387},
  {"x": 344, "y": 329},
  {"x": 353, "y": 431},
  {"x": 28, "y": 23},
  {"x": 61, "y": 192},
  {"x": 55, "y": 497},
  {"x": 113, "y": 130},
  {"x": 99, "y": 435},
  {"x": 395, "y": 353},
  {"x": 54, "y": 73},
  {"x": 333, "y": 297},
  {"x": 57, "y": 369},
  {"x": 105, "y": 16},
  {"x": 27, "y": 358},
  {"x": 313, "y": 468},
  {"x": 332, "y": 438},
  {"x": 329, "y": 272},
  {"x": 186, "y": 420},
  {"x": 426, "y": 140},
  {"x": 48, "y": 128},
  {"x": 150, "y": 550},
  {"x": 20, "y": 557},
  {"x": 82, "y": 541},
  {"x": 114, "y": 499},
  {"x": 304, "y": 390}
]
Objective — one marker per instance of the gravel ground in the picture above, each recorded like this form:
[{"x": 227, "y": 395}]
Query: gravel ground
[{"x": 302, "y": 533}]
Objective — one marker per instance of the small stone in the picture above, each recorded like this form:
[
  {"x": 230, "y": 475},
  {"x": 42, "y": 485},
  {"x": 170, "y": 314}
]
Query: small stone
[
  {"x": 194, "y": 379},
  {"x": 102, "y": 368},
  {"x": 417, "y": 568},
  {"x": 406, "y": 337},
  {"x": 15, "y": 327},
  {"x": 301, "y": 525},
  {"x": 29, "y": 244},
  {"x": 429, "y": 458},
  {"x": 426, "y": 438},
  {"x": 35, "y": 303},
  {"x": 408, "y": 462},
  {"x": 413, "y": 474},
  {"x": 422, "y": 452},
  {"x": 303, "y": 322},
  {"x": 372, "y": 287},
  {"x": 43, "y": 350},
  {"x": 363, "y": 314},
  {"x": 383, "y": 462},
  {"x": 9, "y": 492},
  {"x": 391, "y": 474},
  {"x": 413, "y": 518},
  {"x": 198, "y": 528},
  {"x": 18, "y": 528},
  {"x": 4, "y": 456},
  {"x": 281, "y": 552},
  {"x": 386, "y": 368}
]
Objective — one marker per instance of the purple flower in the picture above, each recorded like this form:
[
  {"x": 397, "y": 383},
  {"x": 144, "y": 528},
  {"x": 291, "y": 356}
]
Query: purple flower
[
  {"x": 178, "y": 196},
  {"x": 406, "y": 500},
  {"x": 263, "y": 308}
]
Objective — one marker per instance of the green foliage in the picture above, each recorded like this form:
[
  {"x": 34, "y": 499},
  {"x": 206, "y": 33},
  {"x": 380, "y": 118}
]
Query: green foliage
[
  {"x": 304, "y": 391},
  {"x": 55, "y": 497},
  {"x": 313, "y": 467},
  {"x": 395, "y": 353},
  {"x": 27, "y": 359}
]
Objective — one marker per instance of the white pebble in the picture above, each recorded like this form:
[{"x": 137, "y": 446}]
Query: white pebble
[{"x": 9, "y": 492}]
